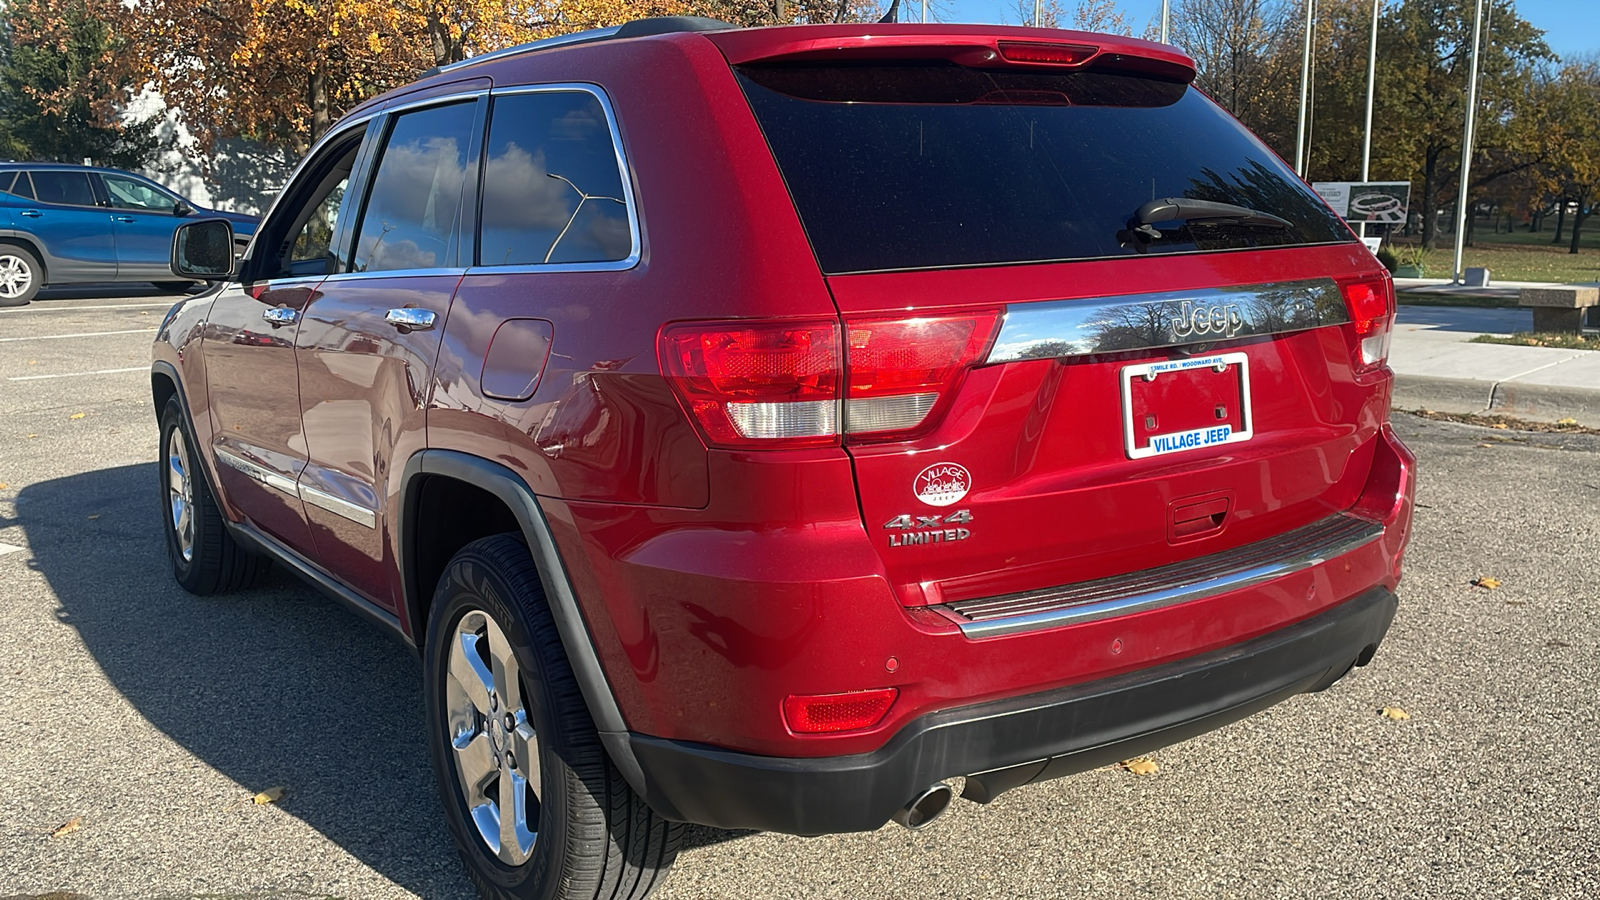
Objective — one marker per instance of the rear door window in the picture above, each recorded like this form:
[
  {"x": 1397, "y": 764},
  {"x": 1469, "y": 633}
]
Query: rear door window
[
  {"x": 65, "y": 188},
  {"x": 414, "y": 204},
  {"x": 909, "y": 165},
  {"x": 553, "y": 189},
  {"x": 20, "y": 187}
]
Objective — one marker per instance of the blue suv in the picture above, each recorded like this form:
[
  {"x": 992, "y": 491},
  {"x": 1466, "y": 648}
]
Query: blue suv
[{"x": 65, "y": 224}]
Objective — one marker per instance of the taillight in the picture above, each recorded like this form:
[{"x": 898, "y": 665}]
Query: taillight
[
  {"x": 1371, "y": 305},
  {"x": 826, "y": 713},
  {"x": 787, "y": 384},
  {"x": 757, "y": 385},
  {"x": 898, "y": 369}
]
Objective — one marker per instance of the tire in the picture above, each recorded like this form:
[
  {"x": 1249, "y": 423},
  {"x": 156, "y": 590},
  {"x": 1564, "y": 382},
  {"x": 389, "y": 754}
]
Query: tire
[
  {"x": 205, "y": 558},
  {"x": 587, "y": 834},
  {"x": 174, "y": 287},
  {"x": 21, "y": 275}
]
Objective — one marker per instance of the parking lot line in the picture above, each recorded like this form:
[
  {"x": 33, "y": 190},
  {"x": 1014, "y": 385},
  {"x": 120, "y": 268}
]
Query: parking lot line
[
  {"x": 76, "y": 374},
  {"x": 57, "y": 337},
  {"x": 37, "y": 308}
]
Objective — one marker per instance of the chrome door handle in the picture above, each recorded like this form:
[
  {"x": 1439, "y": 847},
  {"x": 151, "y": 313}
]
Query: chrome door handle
[
  {"x": 126, "y": 220},
  {"x": 409, "y": 319},
  {"x": 279, "y": 316},
  {"x": 31, "y": 214}
]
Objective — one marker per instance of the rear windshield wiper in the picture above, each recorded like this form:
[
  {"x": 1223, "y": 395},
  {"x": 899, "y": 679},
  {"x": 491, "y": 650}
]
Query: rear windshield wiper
[{"x": 1167, "y": 209}]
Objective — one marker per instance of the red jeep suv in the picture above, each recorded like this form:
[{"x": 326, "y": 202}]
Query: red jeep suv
[{"x": 766, "y": 428}]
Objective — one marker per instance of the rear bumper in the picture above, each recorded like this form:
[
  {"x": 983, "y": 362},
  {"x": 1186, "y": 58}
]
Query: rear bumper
[{"x": 1015, "y": 740}]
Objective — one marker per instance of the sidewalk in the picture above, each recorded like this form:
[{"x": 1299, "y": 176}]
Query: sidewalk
[
  {"x": 1436, "y": 368},
  {"x": 1507, "y": 291}
]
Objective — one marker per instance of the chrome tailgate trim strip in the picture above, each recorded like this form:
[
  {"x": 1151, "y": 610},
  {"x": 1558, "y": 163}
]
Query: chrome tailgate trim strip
[
  {"x": 1066, "y": 328},
  {"x": 1169, "y": 585}
]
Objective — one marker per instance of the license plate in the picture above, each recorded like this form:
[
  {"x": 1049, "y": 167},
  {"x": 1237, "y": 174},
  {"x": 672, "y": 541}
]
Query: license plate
[{"x": 1185, "y": 404}]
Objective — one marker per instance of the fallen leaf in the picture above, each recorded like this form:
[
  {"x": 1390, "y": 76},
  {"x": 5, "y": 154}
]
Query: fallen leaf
[
  {"x": 1140, "y": 766},
  {"x": 1485, "y": 446},
  {"x": 3, "y": 485},
  {"x": 77, "y": 415},
  {"x": 270, "y": 795},
  {"x": 32, "y": 436},
  {"x": 1486, "y": 582},
  {"x": 1567, "y": 421},
  {"x": 33, "y": 362},
  {"x": 1395, "y": 713},
  {"x": 68, "y": 827},
  {"x": 95, "y": 516},
  {"x": 1499, "y": 426}
]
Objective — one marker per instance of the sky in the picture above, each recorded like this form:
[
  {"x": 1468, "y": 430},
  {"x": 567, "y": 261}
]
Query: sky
[{"x": 1571, "y": 26}]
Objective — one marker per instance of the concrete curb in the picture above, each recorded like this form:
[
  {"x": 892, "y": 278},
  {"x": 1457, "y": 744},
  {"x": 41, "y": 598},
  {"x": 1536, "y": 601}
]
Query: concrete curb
[{"x": 1534, "y": 402}]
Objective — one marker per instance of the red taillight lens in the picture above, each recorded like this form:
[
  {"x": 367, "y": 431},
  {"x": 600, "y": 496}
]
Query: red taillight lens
[
  {"x": 1047, "y": 54},
  {"x": 898, "y": 369},
  {"x": 1371, "y": 305},
  {"x": 827, "y": 713},
  {"x": 763, "y": 385}
]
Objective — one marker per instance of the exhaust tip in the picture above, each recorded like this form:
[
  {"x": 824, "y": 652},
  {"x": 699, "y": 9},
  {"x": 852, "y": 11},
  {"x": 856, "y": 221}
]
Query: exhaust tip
[{"x": 925, "y": 807}]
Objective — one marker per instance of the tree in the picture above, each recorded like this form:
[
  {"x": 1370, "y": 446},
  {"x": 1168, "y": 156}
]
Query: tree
[
  {"x": 1245, "y": 58},
  {"x": 1088, "y": 15},
  {"x": 61, "y": 93}
]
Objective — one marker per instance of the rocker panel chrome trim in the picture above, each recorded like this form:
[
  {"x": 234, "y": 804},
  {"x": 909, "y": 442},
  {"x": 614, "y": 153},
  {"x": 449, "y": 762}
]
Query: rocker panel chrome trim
[
  {"x": 257, "y": 472},
  {"x": 1170, "y": 585},
  {"x": 1067, "y": 328}
]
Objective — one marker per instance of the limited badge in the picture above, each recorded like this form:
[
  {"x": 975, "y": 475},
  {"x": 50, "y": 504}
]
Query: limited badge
[{"x": 942, "y": 484}]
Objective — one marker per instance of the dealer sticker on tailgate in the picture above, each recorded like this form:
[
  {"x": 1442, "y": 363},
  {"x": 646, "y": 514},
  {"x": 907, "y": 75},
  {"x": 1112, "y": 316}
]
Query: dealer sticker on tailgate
[{"x": 1185, "y": 404}]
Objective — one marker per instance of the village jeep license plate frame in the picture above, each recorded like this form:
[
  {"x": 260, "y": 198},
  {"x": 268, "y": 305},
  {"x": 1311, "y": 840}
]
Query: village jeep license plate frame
[{"x": 1204, "y": 387}]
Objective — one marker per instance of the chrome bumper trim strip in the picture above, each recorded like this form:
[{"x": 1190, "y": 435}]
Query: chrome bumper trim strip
[
  {"x": 1170, "y": 585},
  {"x": 1067, "y": 328}
]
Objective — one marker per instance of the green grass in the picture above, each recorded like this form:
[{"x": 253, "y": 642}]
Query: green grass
[
  {"x": 1521, "y": 256},
  {"x": 1557, "y": 339}
]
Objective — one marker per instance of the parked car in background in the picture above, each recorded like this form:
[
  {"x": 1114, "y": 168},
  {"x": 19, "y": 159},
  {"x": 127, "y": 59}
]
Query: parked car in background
[
  {"x": 66, "y": 224},
  {"x": 763, "y": 428}
]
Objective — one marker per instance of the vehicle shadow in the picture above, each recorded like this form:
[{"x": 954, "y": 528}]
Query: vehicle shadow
[
  {"x": 104, "y": 292},
  {"x": 274, "y": 686}
]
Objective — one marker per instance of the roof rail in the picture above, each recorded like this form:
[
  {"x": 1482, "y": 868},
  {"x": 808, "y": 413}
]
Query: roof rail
[{"x": 635, "y": 28}]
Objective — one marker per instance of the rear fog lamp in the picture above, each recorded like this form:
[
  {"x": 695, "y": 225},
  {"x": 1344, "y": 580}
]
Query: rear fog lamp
[{"x": 827, "y": 713}]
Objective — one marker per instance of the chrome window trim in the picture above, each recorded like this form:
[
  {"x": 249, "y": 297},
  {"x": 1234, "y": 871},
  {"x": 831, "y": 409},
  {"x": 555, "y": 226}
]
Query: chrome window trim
[
  {"x": 339, "y": 506},
  {"x": 623, "y": 170},
  {"x": 258, "y": 473},
  {"x": 1059, "y": 329},
  {"x": 1232, "y": 570},
  {"x": 456, "y": 271}
]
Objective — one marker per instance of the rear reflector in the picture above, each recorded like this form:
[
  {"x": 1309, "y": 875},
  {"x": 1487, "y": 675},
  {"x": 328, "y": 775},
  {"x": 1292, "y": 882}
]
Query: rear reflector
[
  {"x": 784, "y": 384},
  {"x": 1372, "y": 318},
  {"x": 1047, "y": 54},
  {"x": 827, "y": 713}
]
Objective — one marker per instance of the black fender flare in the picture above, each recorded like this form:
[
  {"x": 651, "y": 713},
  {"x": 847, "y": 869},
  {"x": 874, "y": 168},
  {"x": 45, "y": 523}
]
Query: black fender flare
[{"x": 511, "y": 490}]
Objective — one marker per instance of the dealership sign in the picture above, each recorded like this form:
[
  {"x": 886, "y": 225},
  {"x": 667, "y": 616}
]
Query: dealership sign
[{"x": 1378, "y": 202}]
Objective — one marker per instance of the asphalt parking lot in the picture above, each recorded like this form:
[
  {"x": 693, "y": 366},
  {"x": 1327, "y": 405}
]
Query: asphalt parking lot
[{"x": 151, "y": 717}]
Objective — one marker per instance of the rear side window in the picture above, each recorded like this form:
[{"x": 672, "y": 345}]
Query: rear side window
[
  {"x": 923, "y": 165},
  {"x": 17, "y": 184},
  {"x": 552, "y": 183},
  {"x": 412, "y": 208},
  {"x": 66, "y": 188}
]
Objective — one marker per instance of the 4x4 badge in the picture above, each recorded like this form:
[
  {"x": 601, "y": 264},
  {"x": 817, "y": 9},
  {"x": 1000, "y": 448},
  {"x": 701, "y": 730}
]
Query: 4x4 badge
[
  {"x": 907, "y": 530},
  {"x": 942, "y": 484}
]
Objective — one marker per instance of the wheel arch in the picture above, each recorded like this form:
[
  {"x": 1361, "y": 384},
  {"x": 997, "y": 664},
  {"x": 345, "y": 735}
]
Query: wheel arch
[
  {"x": 30, "y": 244},
  {"x": 519, "y": 502}
]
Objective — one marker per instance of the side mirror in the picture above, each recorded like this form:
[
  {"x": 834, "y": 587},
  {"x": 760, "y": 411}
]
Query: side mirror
[
  {"x": 203, "y": 250},
  {"x": 182, "y": 209}
]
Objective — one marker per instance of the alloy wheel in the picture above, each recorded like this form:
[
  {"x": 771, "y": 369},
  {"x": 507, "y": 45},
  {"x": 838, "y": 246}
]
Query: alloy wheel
[
  {"x": 16, "y": 276},
  {"x": 492, "y": 739},
  {"x": 180, "y": 493}
]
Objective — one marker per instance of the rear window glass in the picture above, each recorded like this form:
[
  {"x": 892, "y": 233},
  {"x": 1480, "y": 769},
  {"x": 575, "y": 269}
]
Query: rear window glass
[
  {"x": 924, "y": 165},
  {"x": 66, "y": 188}
]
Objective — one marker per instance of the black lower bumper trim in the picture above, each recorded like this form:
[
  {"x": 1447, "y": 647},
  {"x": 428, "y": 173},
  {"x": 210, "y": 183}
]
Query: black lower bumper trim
[{"x": 1015, "y": 740}]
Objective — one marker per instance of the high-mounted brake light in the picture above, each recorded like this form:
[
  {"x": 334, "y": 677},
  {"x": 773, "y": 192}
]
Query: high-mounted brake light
[
  {"x": 826, "y": 713},
  {"x": 1047, "y": 54},
  {"x": 1371, "y": 305},
  {"x": 791, "y": 384}
]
